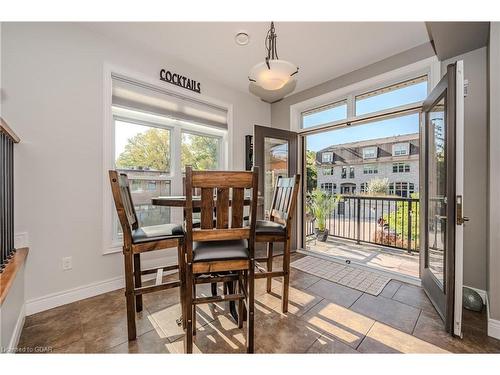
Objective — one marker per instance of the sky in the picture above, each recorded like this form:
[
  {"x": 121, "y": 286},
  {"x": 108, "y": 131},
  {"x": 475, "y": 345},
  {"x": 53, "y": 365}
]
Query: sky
[
  {"x": 386, "y": 128},
  {"x": 380, "y": 129}
]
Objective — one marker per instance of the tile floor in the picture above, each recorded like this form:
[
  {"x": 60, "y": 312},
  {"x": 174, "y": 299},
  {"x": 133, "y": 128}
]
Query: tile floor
[{"x": 323, "y": 317}]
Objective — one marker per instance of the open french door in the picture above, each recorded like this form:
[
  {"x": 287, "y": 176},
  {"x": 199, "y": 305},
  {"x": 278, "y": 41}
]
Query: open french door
[
  {"x": 275, "y": 153},
  {"x": 442, "y": 199}
]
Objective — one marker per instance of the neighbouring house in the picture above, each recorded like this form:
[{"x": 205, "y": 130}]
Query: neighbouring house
[{"x": 348, "y": 168}]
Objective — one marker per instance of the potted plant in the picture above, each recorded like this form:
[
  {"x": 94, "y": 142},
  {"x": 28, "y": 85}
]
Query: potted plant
[{"x": 321, "y": 206}]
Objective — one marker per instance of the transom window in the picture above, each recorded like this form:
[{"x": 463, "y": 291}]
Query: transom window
[
  {"x": 401, "y": 149},
  {"x": 370, "y": 152},
  {"x": 400, "y": 167},
  {"x": 327, "y": 157},
  {"x": 325, "y": 114},
  {"x": 370, "y": 169},
  {"x": 406, "y": 92}
]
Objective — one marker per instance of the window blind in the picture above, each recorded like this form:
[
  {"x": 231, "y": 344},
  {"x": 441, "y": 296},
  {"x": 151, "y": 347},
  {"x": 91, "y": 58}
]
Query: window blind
[{"x": 140, "y": 96}]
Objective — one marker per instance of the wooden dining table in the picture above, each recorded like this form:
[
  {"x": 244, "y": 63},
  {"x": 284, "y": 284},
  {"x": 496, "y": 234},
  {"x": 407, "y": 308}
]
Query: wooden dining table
[{"x": 180, "y": 201}]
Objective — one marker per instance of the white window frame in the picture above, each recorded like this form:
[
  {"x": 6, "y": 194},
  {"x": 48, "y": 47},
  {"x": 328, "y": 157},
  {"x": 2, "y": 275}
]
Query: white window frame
[
  {"x": 330, "y": 154},
  {"x": 405, "y": 146},
  {"x": 370, "y": 169},
  {"x": 372, "y": 150},
  {"x": 328, "y": 170},
  {"x": 111, "y": 244},
  {"x": 430, "y": 67}
]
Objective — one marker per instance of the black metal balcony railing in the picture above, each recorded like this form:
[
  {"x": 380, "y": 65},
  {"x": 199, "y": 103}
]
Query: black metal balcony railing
[{"x": 387, "y": 221}]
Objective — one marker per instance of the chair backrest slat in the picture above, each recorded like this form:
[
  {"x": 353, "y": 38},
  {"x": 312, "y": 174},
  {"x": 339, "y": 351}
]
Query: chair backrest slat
[
  {"x": 229, "y": 204},
  {"x": 222, "y": 208},
  {"x": 237, "y": 207},
  {"x": 284, "y": 199},
  {"x": 207, "y": 208}
]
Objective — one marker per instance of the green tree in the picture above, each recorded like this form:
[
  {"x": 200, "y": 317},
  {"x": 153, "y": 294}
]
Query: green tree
[
  {"x": 150, "y": 149},
  {"x": 398, "y": 219},
  {"x": 201, "y": 152},
  {"x": 378, "y": 186},
  {"x": 311, "y": 170}
]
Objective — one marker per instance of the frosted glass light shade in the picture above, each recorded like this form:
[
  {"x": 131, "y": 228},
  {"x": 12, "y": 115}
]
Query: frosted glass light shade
[
  {"x": 274, "y": 78},
  {"x": 272, "y": 96}
]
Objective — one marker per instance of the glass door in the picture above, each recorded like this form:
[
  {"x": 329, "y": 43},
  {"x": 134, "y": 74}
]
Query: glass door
[
  {"x": 276, "y": 156},
  {"x": 441, "y": 257}
]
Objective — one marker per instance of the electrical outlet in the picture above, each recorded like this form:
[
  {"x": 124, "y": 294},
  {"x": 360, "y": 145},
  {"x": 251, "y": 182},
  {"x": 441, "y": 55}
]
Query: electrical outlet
[{"x": 67, "y": 263}]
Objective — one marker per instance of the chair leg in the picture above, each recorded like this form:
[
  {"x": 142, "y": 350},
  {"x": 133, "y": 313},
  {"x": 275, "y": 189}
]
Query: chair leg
[
  {"x": 269, "y": 265},
  {"x": 240, "y": 302},
  {"x": 129, "y": 295},
  {"x": 286, "y": 276},
  {"x": 138, "y": 281},
  {"x": 188, "y": 342},
  {"x": 250, "y": 309},
  {"x": 194, "y": 310},
  {"x": 182, "y": 279}
]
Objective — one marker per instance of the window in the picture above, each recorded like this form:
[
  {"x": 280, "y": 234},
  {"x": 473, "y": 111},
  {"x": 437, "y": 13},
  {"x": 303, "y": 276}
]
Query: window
[
  {"x": 325, "y": 114},
  {"x": 328, "y": 171},
  {"x": 200, "y": 151},
  {"x": 143, "y": 152},
  {"x": 363, "y": 187},
  {"x": 151, "y": 185},
  {"x": 351, "y": 172},
  {"x": 407, "y": 92},
  {"x": 344, "y": 172},
  {"x": 402, "y": 189},
  {"x": 327, "y": 157},
  {"x": 401, "y": 149},
  {"x": 370, "y": 169},
  {"x": 400, "y": 167},
  {"x": 329, "y": 187},
  {"x": 370, "y": 152}
]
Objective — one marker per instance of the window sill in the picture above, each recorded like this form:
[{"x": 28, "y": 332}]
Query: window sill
[{"x": 8, "y": 276}]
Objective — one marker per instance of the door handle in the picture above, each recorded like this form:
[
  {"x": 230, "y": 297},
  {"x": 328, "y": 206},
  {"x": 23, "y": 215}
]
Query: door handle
[{"x": 459, "y": 212}]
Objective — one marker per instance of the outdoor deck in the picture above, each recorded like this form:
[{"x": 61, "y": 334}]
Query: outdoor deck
[{"x": 379, "y": 257}]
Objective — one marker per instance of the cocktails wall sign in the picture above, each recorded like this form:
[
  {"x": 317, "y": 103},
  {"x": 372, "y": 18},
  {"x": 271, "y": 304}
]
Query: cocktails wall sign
[{"x": 180, "y": 80}]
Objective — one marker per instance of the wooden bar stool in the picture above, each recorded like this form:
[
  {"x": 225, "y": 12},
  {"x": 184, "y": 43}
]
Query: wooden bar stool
[
  {"x": 137, "y": 240},
  {"x": 278, "y": 229},
  {"x": 223, "y": 252}
]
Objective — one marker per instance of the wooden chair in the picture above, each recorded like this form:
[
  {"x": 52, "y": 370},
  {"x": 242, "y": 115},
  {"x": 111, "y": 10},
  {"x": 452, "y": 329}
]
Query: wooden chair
[
  {"x": 223, "y": 252},
  {"x": 278, "y": 229},
  {"x": 137, "y": 240}
]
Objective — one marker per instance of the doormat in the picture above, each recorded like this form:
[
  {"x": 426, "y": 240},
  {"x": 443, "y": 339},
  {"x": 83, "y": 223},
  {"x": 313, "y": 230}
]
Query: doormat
[{"x": 352, "y": 277}]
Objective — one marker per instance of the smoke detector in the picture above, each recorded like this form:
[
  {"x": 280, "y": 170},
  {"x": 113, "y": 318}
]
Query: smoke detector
[{"x": 242, "y": 38}]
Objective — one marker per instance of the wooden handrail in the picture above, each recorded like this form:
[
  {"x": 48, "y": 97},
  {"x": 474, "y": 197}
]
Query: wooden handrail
[
  {"x": 4, "y": 128},
  {"x": 8, "y": 275}
]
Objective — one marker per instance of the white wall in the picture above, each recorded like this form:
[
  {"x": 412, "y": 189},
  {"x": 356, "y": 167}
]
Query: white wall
[{"x": 52, "y": 76}]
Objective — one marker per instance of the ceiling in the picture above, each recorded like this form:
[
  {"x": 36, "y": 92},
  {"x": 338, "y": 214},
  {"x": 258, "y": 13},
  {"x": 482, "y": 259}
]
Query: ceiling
[{"x": 322, "y": 50}]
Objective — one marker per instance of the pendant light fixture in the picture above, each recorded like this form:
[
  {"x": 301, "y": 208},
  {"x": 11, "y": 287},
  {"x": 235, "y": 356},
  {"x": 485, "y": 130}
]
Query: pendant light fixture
[{"x": 272, "y": 79}]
